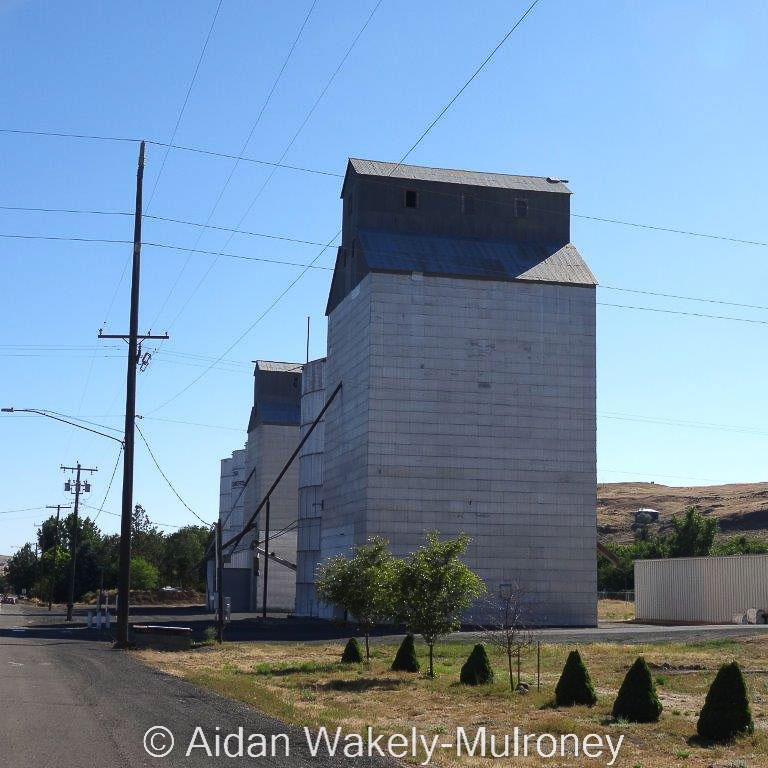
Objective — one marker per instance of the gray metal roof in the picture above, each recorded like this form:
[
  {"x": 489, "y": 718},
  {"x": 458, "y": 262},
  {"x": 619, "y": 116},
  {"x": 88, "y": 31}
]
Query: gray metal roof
[
  {"x": 386, "y": 251},
  {"x": 451, "y": 176},
  {"x": 274, "y": 365}
]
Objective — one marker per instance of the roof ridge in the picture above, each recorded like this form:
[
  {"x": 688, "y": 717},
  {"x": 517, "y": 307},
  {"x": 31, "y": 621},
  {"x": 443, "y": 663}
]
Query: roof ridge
[{"x": 459, "y": 170}]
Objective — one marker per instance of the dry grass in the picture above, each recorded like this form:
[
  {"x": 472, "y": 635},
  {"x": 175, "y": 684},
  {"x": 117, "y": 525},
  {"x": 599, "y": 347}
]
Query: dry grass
[
  {"x": 615, "y": 610},
  {"x": 739, "y": 508},
  {"x": 305, "y": 684}
]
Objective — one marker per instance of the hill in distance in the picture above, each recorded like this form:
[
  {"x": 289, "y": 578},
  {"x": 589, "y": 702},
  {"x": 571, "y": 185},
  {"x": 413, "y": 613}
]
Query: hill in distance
[{"x": 740, "y": 508}]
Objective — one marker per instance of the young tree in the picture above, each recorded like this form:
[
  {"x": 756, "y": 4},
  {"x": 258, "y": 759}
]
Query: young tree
[
  {"x": 726, "y": 712},
  {"x": 406, "y": 659},
  {"x": 575, "y": 685},
  {"x": 477, "y": 669},
  {"x": 361, "y": 584},
  {"x": 505, "y": 622},
  {"x": 351, "y": 653},
  {"x": 637, "y": 701},
  {"x": 434, "y": 589}
]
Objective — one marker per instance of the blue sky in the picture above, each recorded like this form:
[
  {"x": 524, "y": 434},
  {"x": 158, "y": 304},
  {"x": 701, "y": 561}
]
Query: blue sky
[{"x": 654, "y": 111}]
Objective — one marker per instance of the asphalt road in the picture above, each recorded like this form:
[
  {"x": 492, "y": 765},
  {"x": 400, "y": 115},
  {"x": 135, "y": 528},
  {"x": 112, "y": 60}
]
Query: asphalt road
[
  {"x": 69, "y": 701},
  {"x": 246, "y": 627}
]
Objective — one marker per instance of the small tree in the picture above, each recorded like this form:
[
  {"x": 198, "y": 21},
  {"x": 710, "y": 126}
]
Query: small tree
[
  {"x": 637, "y": 701},
  {"x": 361, "y": 584},
  {"x": 144, "y": 575},
  {"x": 477, "y": 668},
  {"x": 575, "y": 685},
  {"x": 406, "y": 659},
  {"x": 505, "y": 624},
  {"x": 351, "y": 654},
  {"x": 433, "y": 589},
  {"x": 726, "y": 712}
]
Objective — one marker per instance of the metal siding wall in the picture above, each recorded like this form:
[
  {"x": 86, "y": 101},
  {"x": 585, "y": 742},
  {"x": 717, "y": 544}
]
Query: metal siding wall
[
  {"x": 310, "y": 490},
  {"x": 700, "y": 589}
]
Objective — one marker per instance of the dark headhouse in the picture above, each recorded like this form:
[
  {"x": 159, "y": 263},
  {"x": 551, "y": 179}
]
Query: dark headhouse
[{"x": 436, "y": 221}]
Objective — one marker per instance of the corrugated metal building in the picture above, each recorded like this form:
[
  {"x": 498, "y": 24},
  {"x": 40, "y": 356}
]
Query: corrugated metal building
[{"x": 700, "y": 589}]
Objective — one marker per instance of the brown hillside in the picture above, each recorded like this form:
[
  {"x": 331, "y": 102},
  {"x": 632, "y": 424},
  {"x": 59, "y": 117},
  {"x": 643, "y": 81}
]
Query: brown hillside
[{"x": 740, "y": 507}]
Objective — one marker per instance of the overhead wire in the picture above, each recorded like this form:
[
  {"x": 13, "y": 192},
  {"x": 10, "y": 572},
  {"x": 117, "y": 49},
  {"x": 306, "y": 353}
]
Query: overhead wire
[
  {"x": 243, "y": 148},
  {"x": 165, "y": 477},
  {"x": 109, "y": 485},
  {"x": 325, "y": 247},
  {"x": 184, "y": 104},
  {"x": 285, "y": 151}
]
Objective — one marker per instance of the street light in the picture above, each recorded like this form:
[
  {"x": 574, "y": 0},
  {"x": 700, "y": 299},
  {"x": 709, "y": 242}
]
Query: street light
[{"x": 41, "y": 412}]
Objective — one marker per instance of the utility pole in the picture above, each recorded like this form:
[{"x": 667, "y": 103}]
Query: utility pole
[
  {"x": 133, "y": 339},
  {"x": 58, "y": 508},
  {"x": 219, "y": 586},
  {"x": 73, "y": 544},
  {"x": 266, "y": 562}
]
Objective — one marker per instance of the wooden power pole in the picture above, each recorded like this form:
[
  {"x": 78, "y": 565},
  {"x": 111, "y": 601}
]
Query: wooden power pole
[
  {"x": 133, "y": 339},
  {"x": 73, "y": 536}
]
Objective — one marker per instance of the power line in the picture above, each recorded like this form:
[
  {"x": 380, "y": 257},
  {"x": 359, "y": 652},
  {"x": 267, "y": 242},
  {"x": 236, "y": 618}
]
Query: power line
[
  {"x": 23, "y": 509},
  {"x": 165, "y": 477},
  {"x": 247, "y": 141},
  {"x": 467, "y": 83},
  {"x": 109, "y": 485},
  {"x": 683, "y": 298},
  {"x": 184, "y": 104},
  {"x": 455, "y": 195},
  {"x": 607, "y": 220},
  {"x": 680, "y": 312},
  {"x": 64, "y": 135},
  {"x": 282, "y": 156},
  {"x": 117, "y": 514},
  {"x": 324, "y": 248}
]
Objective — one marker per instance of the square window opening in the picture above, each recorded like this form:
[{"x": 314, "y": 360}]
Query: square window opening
[{"x": 411, "y": 198}]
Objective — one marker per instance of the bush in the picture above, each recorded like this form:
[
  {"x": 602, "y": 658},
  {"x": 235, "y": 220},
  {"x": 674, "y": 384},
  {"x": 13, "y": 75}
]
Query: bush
[
  {"x": 477, "y": 668},
  {"x": 726, "y": 711},
  {"x": 352, "y": 653},
  {"x": 405, "y": 659},
  {"x": 575, "y": 685},
  {"x": 637, "y": 701}
]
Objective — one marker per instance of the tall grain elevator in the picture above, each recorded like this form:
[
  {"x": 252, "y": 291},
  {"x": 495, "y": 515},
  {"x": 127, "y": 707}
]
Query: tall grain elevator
[{"x": 461, "y": 321}]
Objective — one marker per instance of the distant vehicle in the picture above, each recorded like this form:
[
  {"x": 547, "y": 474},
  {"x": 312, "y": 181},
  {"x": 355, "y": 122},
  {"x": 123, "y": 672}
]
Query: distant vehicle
[{"x": 9, "y": 599}]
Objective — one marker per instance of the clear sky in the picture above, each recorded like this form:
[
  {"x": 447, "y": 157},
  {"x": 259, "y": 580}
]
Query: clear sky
[{"x": 654, "y": 111}]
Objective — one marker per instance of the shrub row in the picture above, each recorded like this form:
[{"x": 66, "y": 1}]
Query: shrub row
[{"x": 726, "y": 712}]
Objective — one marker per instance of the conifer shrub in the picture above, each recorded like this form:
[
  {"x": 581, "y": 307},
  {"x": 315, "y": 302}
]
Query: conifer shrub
[
  {"x": 575, "y": 685},
  {"x": 352, "y": 653},
  {"x": 477, "y": 668},
  {"x": 637, "y": 701},
  {"x": 406, "y": 659},
  {"x": 726, "y": 712}
]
